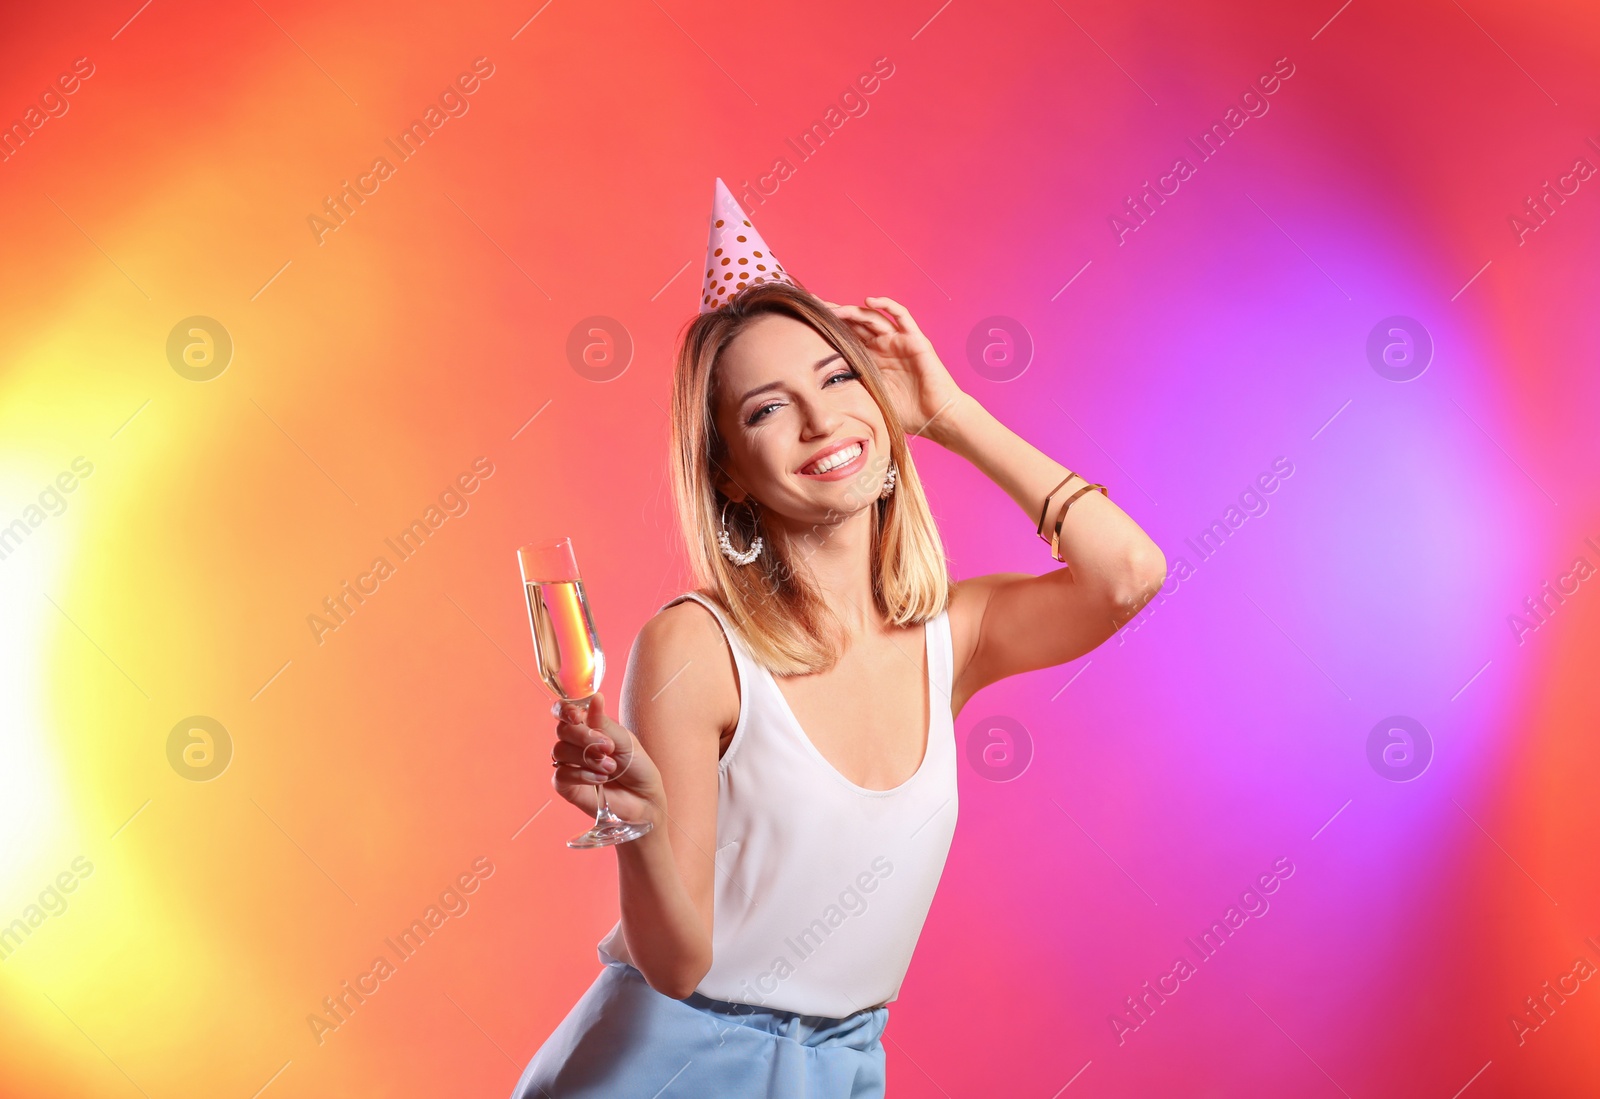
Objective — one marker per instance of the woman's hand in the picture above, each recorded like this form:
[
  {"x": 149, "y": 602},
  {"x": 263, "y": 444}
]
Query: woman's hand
[
  {"x": 919, "y": 385},
  {"x": 591, "y": 749}
]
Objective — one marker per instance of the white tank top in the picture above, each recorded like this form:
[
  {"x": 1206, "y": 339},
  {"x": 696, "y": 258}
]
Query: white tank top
[{"x": 821, "y": 886}]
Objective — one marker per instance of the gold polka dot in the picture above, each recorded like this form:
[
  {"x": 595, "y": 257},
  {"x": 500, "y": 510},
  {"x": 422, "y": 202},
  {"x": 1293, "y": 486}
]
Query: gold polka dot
[
  {"x": 761, "y": 267},
  {"x": 728, "y": 276},
  {"x": 718, "y": 252},
  {"x": 739, "y": 238},
  {"x": 756, "y": 254},
  {"x": 748, "y": 224},
  {"x": 724, "y": 261},
  {"x": 759, "y": 278},
  {"x": 719, "y": 223},
  {"x": 743, "y": 260}
]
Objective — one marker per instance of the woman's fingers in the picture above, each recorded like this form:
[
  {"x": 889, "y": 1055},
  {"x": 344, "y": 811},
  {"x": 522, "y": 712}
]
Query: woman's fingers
[
  {"x": 901, "y": 315},
  {"x": 580, "y": 734},
  {"x": 577, "y": 786},
  {"x": 592, "y": 748},
  {"x": 869, "y": 319},
  {"x": 878, "y": 313},
  {"x": 579, "y": 745},
  {"x": 589, "y": 757},
  {"x": 578, "y": 776}
]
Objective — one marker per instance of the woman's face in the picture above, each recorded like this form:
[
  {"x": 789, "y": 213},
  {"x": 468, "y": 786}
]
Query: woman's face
[{"x": 785, "y": 400}]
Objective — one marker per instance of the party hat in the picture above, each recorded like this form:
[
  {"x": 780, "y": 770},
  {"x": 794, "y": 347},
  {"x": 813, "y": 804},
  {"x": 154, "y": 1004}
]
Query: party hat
[{"x": 736, "y": 256}]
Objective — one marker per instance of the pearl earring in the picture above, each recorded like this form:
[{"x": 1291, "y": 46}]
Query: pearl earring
[
  {"x": 726, "y": 545},
  {"x": 889, "y": 481}
]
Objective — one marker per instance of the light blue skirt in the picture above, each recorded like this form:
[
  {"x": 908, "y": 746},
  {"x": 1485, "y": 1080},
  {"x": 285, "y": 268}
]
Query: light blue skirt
[{"x": 625, "y": 1040}]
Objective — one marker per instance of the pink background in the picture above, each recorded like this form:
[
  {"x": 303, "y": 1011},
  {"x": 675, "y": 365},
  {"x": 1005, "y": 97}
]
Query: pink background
[{"x": 1225, "y": 729}]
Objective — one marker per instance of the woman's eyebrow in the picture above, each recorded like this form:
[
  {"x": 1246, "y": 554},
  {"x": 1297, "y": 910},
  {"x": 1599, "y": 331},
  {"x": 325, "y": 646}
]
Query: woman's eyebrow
[{"x": 778, "y": 385}]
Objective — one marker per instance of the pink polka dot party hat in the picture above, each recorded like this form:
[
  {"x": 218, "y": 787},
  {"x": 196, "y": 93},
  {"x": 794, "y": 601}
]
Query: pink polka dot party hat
[{"x": 736, "y": 256}]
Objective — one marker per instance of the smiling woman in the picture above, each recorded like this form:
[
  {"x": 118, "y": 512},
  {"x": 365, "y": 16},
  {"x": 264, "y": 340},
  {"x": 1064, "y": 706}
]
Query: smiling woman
[
  {"x": 797, "y": 710},
  {"x": 814, "y": 392}
]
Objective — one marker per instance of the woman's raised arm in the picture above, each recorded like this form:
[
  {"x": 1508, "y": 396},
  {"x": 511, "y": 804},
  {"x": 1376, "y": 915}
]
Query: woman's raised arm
[
  {"x": 1026, "y": 622},
  {"x": 1023, "y": 622}
]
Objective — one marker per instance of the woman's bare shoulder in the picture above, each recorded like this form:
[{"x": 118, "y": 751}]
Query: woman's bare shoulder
[
  {"x": 683, "y": 669},
  {"x": 687, "y": 622}
]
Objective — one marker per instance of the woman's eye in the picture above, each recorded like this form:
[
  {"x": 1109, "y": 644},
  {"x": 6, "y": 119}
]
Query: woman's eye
[{"x": 760, "y": 413}]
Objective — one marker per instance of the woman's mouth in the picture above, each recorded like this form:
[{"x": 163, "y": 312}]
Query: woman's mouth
[{"x": 839, "y": 464}]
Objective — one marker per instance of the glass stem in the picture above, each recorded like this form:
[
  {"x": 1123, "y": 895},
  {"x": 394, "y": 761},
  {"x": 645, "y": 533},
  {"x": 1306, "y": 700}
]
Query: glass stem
[{"x": 604, "y": 813}]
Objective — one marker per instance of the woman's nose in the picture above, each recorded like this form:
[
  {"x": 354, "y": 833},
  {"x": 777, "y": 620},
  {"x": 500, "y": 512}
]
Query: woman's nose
[{"x": 818, "y": 418}]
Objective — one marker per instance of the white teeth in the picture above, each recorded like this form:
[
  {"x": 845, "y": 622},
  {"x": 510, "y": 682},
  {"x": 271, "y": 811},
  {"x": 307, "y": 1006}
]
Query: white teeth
[{"x": 837, "y": 458}]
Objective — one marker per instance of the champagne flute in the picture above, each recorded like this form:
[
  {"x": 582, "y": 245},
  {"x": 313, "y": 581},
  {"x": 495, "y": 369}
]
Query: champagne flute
[{"x": 570, "y": 659}]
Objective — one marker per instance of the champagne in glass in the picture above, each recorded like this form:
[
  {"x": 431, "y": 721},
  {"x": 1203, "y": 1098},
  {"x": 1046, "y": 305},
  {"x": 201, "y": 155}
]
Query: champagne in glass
[{"x": 571, "y": 661}]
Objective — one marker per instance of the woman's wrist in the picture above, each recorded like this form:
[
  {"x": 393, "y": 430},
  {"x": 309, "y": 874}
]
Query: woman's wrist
[
  {"x": 655, "y": 841},
  {"x": 655, "y": 806},
  {"x": 1025, "y": 473},
  {"x": 950, "y": 424}
]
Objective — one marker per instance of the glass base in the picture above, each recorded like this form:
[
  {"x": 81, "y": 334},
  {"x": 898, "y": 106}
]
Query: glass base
[{"x": 610, "y": 830}]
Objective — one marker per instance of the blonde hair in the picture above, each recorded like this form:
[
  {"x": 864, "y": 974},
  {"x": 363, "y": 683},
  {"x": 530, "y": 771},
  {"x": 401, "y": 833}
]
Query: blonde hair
[{"x": 781, "y": 615}]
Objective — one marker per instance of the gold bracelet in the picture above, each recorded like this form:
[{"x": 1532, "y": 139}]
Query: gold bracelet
[
  {"x": 1055, "y": 537},
  {"x": 1044, "y": 511}
]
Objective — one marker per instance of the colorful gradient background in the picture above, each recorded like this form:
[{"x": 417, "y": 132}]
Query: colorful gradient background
[{"x": 1225, "y": 729}]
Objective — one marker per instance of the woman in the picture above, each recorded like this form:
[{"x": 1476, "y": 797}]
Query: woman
[{"x": 789, "y": 727}]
